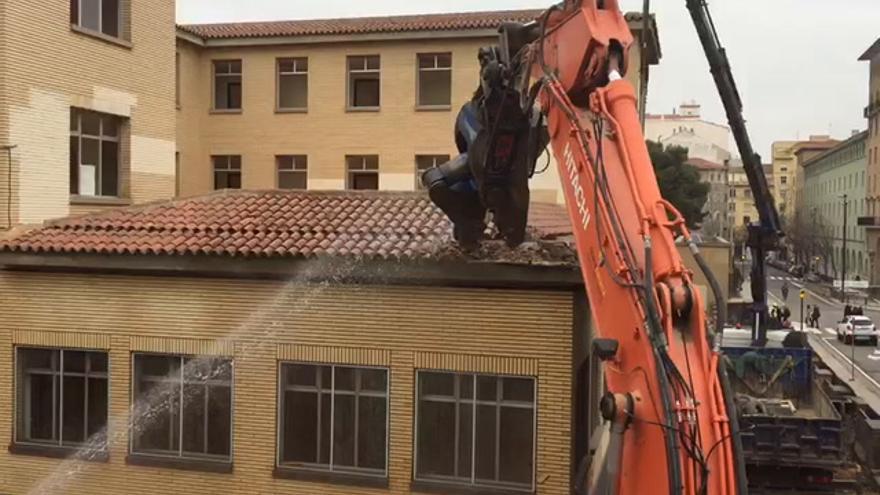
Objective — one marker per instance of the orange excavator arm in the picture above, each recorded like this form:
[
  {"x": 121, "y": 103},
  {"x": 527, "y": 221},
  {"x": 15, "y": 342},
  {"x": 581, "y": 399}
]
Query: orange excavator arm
[
  {"x": 666, "y": 399},
  {"x": 672, "y": 422}
]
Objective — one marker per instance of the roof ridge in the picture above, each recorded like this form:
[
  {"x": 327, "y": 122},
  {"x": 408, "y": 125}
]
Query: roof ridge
[{"x": 363, "y": 18}]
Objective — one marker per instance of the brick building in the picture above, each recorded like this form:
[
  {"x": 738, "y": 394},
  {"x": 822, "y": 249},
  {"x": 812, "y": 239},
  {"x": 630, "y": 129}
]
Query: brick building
[
  {"x": 86, "y": 106},
  {"x": 291, "y": 343},
  {"x": 336, "y": 104}
]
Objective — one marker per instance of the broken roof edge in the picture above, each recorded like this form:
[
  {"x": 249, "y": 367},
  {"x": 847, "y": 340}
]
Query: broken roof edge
[{"x": 460, "y": 273}]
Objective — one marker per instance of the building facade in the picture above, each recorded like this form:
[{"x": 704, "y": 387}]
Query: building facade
[
  {"x": 303, "y": 357},
  {"x": 716, "y": 218},
  {"x": 804, "y": 151},
  {"x": 687, "y": 129},
  {"x": 871, "y": 221},
  {"x": 828, "y": 177},
  {"x": 741, "y": 207},
  {"x": 784, "y": 176},
  {"x": 334, "y": 104},
  {"x": 86, "y": 106}
]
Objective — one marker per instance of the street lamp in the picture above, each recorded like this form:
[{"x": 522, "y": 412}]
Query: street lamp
[{"x": 843, "y": 254}]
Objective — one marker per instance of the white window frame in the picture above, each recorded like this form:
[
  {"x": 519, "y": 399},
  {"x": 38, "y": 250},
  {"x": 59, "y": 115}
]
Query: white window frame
[
  {"x": 362, "y": 168},
  {"x": 227, "y": 168},
  {"x": 350, "y": 74},
  {"x": 436, "y": 67},
  {"x": 57, "y": 399},
  {"x": 215, "y": 74},
  {"x": 329, "y": 468},
  {"x": 473, "y": 482},
  {"x": 296, "y": 72},
  {"x": 299, "y": 164},
  {"x": 180, "y": 454}
]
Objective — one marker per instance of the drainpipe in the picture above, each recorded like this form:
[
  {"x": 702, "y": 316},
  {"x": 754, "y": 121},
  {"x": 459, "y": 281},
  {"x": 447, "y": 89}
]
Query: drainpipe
[{"x": 9, "y": 149}]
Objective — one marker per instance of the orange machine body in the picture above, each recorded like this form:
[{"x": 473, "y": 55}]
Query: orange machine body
[{"x": 584, "y": 117}]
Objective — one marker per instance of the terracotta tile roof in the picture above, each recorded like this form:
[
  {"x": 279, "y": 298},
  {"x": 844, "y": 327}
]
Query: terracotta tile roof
[
  {"x": 371, "y": 225},
  {"x": 361, "y": 25},
  {"x": 702, "y": 164}
]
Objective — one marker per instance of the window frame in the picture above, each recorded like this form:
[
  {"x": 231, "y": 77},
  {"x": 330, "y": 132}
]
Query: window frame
[
  {"x": 214, "y": 75},
  {"x": 295, "y": 170},
  {"x": 102, "y": 137},
  {"x": 279, "y": 74},
  {"x": 281, "y": 387},
  {"x": 181, "y": 456},
  {"x": 435, "y": 68},
  {"x": 350, "y": 172},
  {"x": 350, "y": 88},
  {"x": 76, "y": 23},
  {"x": 473, "y": 483},
  {"x": 229, "y": 168},
  {"x": 57, "y": 422}
]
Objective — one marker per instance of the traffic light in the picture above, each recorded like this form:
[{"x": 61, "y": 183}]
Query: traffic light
[{"x": 803, "y": 294}]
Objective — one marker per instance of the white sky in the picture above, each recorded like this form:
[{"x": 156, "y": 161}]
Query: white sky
[{"x": 794, "y": 60}]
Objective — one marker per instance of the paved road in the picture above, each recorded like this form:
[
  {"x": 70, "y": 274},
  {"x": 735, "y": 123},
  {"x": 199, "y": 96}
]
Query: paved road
[{"x": 832, "y": 311}]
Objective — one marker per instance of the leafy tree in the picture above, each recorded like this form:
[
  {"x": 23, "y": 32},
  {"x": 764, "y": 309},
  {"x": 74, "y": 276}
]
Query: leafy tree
[{"x": 679, "y": 182}]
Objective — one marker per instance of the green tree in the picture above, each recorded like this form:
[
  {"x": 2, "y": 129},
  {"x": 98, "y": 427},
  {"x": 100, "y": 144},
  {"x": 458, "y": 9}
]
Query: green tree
[{"x": 679, "y": 182}]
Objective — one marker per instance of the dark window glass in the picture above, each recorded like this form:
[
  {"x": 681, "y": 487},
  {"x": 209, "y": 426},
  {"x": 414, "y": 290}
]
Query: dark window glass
[
  {"x": 61, "y": 396},
  {"x": 338, "y": 406},
  {"x": 487, "y": 441},
  {"x": 190, "y": 403}
]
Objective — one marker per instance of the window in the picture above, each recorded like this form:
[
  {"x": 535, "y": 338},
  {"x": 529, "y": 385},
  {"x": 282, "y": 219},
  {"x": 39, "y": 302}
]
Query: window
[
  {"x": 425, "y": 162},
  {"x": 435, "y": 80},
  {"x": 783, "y": 180},
  {"x": 363, "y": 82},
  {"x": 190, "y": 402},
  {"x": 61, "y": 397},
  {"x": 732, "y": 193},
  {"x": 747, "y": 220},
  {"x": 292, "y": 172},
  {"x": 227, "y": 171},
  {"x": 475, "y": 430},
  {"x": 94, "y": 153},
  {"x": 293, "y": 83},
  {"x": 333, "y": 418},
  {"x": 363, "y": 172},
  {"x": 101, "y": 16},
  {"x": 227, "y": 85}
]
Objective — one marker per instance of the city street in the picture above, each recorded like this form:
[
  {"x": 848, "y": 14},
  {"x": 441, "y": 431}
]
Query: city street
[{"x": 832, "y": 312}]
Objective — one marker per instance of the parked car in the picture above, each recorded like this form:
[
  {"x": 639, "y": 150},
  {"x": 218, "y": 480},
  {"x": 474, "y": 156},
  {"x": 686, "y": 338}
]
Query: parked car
[
  {"x": 860, "y": 327},
  {"x": 797, "y": 271}
]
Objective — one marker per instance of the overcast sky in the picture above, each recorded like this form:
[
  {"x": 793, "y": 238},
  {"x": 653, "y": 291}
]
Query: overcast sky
[{"x": 795, "y": 60}]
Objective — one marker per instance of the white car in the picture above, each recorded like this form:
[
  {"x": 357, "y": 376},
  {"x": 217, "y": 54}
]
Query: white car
[{"x": 860, "y": 326}]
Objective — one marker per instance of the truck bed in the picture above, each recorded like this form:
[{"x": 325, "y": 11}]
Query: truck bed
[{"x": 785, "y": 417}]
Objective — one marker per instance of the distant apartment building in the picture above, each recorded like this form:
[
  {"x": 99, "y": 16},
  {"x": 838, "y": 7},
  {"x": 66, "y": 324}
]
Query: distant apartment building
[
  {"x": 784, "y": 175},
  {"x": 805, "y": 151},
  {"x": 686, "y": 128},
  {"x": 871, "y": 220},
  {"x": 338, "y": 104},
  {"x": 716, "y": 222},
  {"x": 828, "y": 177},
  {"x": 86, "y": 106},
  {"x": 741, "y": 209}
]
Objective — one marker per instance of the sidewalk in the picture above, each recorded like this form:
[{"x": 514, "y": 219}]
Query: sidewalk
[{"x": 863, "y": 386}]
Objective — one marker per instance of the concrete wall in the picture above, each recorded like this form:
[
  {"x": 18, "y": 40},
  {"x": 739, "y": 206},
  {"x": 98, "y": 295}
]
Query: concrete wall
[
  {"x": 47, "y": 67},
  {"x": 258, "y": 323}
]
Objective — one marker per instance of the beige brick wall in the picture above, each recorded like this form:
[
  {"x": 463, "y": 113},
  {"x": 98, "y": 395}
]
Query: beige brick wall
[
  {"x": 327, "y": 133},
  {"x": 48, "y": 68},
  {"x": 407, "y": 328}
]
